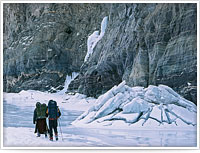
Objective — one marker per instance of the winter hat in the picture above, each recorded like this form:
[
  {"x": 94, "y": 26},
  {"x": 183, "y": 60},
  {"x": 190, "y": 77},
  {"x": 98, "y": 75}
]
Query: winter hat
[{"x": 38, "y": 104}]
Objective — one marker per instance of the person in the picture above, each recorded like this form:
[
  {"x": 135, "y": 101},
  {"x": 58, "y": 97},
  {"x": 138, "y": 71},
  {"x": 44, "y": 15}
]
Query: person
[
  {"x": 39, "y": 118},
  {"x": 53, "y": 113}
]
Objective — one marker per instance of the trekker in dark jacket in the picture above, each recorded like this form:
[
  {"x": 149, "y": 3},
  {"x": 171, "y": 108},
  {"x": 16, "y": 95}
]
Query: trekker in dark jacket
[
  {"x": 39, "y": 118},
  {"x": 53, "y": 113}
]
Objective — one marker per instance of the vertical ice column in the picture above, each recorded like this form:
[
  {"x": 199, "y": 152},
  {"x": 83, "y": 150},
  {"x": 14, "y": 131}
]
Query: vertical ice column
[
  {"x": 95, "y": 37},
  {"x": 91, "y": 42},
  {"x": 103, "y": 26}
]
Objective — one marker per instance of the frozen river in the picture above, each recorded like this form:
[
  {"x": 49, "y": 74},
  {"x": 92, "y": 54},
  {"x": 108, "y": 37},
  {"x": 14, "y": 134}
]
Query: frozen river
[{"x": 19, "y": 132}]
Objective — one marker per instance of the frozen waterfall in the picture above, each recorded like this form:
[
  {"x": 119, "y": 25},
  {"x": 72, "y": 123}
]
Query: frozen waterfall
[
  {"x": 95, "y": 37},
  {"x": 68, "y": 80}
]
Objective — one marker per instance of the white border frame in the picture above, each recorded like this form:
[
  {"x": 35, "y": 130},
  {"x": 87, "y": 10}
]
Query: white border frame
[{"x": 101, "y": 148}]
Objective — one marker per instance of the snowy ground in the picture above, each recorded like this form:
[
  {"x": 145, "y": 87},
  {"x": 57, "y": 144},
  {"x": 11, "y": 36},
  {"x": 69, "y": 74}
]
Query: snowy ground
[{"x": 19, "y": 130}]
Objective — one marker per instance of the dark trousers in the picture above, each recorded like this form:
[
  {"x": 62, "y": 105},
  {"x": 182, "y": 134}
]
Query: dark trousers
[
  {"x": 41, "y": 126},
  {"x": 53, "y": 126}
]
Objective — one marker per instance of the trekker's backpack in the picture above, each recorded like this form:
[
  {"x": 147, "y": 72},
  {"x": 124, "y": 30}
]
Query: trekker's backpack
[
  {"x": 53, "y": 109},
  {"x": 41, "y": 111}
]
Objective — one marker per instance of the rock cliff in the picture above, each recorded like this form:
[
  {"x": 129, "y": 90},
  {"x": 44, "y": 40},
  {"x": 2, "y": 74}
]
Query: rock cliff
[
  {"x": 144, "y": 44},
  {"x": 45, "y": 42}
]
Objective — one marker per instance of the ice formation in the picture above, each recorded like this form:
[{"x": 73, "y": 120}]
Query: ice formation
[
  {"x": 103, "y": 26},
  {"x": 95, "y": 37},
  {"x": 155, "y": 106},
  {"x": 91, "y": 43},
  {"x": 68, "y": 79}
]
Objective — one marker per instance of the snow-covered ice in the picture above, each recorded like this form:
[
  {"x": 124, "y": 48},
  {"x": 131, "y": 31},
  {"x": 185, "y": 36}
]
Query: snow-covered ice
[
  {"x": 29, "y": 98},
  {"x": 122, "y": 117},
  {"x": 161, "y": 105}
]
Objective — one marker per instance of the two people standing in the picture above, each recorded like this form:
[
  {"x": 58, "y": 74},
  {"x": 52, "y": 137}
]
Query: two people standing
[{"x": 52, "y": 112}]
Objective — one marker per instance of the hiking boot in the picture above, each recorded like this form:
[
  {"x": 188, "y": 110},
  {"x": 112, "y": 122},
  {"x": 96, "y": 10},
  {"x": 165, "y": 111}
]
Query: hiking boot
[
  {"x": 56, "y": 135},
  {"x": 38, "y": 134},
  {"x": 51, "y": 139}
]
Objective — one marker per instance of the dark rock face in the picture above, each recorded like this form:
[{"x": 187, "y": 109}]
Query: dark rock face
[
  {"x": 45, "y": 42},
  {"x": 143, "y": 44}
]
